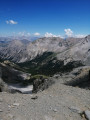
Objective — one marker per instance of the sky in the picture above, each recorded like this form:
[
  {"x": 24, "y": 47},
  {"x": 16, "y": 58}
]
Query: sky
[{"x": 45, "y": 17}]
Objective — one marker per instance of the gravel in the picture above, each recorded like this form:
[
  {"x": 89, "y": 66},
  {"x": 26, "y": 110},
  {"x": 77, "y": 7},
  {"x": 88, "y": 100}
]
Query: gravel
[{"x": 51, "y": 104}]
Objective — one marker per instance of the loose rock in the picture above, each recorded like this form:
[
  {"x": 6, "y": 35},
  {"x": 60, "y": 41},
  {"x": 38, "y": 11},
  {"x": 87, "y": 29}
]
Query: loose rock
[
  {"x": 15, "y": 104},
  {"x": 75, "y": 109},
  {"x": 34, "y": 97},
  {"x": 87, "y": 114},
  {"x": 1, "y": 110},
  {"x": 55, "y": 110}
]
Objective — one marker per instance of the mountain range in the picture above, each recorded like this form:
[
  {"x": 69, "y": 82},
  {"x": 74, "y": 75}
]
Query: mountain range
[
  {"x": 66, "y": 49},
  {"x": 54, "y": 53}
]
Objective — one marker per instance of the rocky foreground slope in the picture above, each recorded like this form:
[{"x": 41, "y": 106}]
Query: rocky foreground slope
[{"x": 58, "y": 102}]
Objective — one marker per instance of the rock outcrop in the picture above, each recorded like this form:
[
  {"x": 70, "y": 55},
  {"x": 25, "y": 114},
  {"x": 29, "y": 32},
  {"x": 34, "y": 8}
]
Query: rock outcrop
[
  {"x": 41, "y": 84},
  {"x": 10, "y": 76},
  {"x": 82, "y": 77}
]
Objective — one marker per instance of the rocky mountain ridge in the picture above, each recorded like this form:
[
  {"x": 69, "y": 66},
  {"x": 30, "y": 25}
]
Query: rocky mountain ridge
[
  {"x": 18, "y": 51},
  {"x": 54, "y": 53},
  {"x": 80, "y": 51}
]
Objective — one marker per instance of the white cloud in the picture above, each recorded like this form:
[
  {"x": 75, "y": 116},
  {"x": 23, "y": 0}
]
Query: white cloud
[
  {"x": 68, "y": 32},
  {"x": 11, "y": 22},
  {"x": 24, "y": 34},
  {"x": 80, "y": 36},
  {"x": 36, "y": 34},
  {"x": 51, "y": 35}
]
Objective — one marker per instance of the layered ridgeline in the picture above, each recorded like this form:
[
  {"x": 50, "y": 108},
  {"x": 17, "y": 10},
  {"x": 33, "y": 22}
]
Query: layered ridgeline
[
  {"x": 47, "y": 55},
  {"x": 37, "y": 63},
  {"x": 24, "y": 50}
]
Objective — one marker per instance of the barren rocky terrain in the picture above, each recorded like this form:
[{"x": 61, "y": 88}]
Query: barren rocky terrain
[
  {"x": 58, "y": 102},
  {"x": 61, "y": 101}
]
